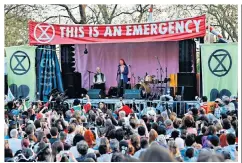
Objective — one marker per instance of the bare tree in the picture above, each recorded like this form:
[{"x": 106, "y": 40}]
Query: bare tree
[{"x": 223, "y": 17}]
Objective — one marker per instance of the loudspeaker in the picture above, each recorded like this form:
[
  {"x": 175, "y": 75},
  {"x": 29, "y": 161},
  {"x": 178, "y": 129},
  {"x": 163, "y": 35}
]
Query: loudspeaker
[
  {"x": 95, "y": 93},
  {"x": 132, "y": 93},
  {"x": 72, "y": 82},
  {"x": 188, "y": 93},
  {"x": 187, "y": 79}
]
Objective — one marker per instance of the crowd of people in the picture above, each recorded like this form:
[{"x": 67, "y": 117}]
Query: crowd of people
[{"x": 84, "y": 133}]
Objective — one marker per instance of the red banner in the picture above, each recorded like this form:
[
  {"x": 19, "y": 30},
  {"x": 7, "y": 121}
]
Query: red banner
[{"x": 44, "y": 33}]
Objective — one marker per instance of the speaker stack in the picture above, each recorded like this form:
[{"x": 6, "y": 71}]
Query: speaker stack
[
  {"x": 187, "y": 85},
  {"x": 72, "y": 81}
]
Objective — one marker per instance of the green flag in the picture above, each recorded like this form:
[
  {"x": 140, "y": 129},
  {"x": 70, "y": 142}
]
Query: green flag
[
  {"x": 21, "y": 71},
  {"x": 219, "y": 70}
]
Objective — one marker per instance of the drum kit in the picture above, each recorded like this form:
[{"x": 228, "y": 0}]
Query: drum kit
[{"x": 150, "y": 86}]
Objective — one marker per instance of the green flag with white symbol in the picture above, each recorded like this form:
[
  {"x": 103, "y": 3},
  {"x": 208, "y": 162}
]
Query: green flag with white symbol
[
  {"x": 21, "y": 71},
  {"x": 219, "y": 70}
]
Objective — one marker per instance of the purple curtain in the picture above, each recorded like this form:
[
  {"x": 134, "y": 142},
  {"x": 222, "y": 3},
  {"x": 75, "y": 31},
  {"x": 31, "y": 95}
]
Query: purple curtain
[{"x": 141, "y": 57}]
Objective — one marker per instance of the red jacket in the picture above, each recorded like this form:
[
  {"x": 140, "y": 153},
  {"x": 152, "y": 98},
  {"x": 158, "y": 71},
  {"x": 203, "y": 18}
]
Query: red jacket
[{"x": 126, "y": 109}]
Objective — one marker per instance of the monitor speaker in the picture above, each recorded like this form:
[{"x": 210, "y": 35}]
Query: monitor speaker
[
  {"x": 95, "y": 93},
  {"x": 132, "y": 94}
]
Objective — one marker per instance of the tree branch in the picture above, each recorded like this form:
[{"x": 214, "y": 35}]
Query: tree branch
[
  {"x": 51, "y": 17},
  {"x": 69, "y": 12},
  {"x": 114, "y": 9}
]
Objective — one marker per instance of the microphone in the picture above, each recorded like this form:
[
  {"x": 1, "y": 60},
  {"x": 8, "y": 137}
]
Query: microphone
[
  {"x": 129, "y": 65},
  {"x": 156, "y": 57}
]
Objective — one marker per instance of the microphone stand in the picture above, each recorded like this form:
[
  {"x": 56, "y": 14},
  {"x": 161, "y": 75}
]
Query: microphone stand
[
  {"x": 89, "y": 75},
  {"x": 161, "y": 71},
  {"x": 166, "y": 81}
]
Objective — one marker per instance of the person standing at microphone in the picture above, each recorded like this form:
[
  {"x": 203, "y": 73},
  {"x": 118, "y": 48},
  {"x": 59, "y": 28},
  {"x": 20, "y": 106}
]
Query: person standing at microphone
[{"x": 122, "y": 77}]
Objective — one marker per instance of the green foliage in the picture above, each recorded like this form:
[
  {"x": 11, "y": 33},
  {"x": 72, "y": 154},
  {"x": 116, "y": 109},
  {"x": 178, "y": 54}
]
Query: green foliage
[{"x": 15, "y": 30}]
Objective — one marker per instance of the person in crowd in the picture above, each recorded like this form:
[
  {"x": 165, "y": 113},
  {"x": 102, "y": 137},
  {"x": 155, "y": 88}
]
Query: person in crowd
[
  {"x": 98, "y": 134},
  {"x": 63, "y": 139},
  {"x": 104, "y": 149},
  {"x": 169, "y": 126},
  {"x": 54, "y": 135},
  {"x": 189, "y": 142},
  {"x": 204, "y": 104},
  {"x": 8, "y": 155},
  {"x": 174, "y": 150},
  {"x": 206, "y": 156},
  {"x": 152, "y": 136},
  {"x": 156, "y": 153},
  {"x": 14, "y": 142},
  {"x": 231, "y": 148},
  {"x": 71, "y": 133},
  {"x": 135, "y": 141},
  {"x": 233, "y": 99},
  {"x": 82, "y": 148},
  {"x": 77, "y": 138},
  {"x": 190, "y": 125},
  {"x": 57, "y": 147},
  {"x": 144, "y": 144},
  {"x": 227, "y": 126},
  {"x": 229, "y": 107}
]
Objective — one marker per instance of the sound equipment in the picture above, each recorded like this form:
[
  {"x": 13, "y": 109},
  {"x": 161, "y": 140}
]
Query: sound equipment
[
  {"x": 95, "y": 93},
  {"x": 186, "y": 53},
  {"x": 187, "y": 79},
  {"x": 112, "y": 92},
  {"x": 188, "y": 93},
  {"x": 132, "y": 94},
  {"x": 72, "y": 83}
]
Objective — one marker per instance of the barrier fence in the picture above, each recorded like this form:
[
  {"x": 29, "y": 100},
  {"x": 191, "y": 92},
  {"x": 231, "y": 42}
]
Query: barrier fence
[{"x": 179, "y": 107}]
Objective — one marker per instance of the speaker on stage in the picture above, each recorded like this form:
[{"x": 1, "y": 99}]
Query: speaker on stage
[
  {"x": 132, "y": 93},
  {"x": 72, "y": 81},
  {"x": 187, "y": 93},
  {"x": 95, "y": 93},
  {"x": 187, "y": 79}
]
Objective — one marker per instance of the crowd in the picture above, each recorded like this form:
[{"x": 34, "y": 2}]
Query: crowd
[{"x": 97, "y": 134}]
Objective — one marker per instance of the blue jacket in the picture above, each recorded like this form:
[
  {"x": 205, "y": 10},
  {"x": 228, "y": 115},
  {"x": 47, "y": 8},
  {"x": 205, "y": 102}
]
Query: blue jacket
[
  {"x": 125, "y": 73},
  {"x": 231, "y": 149}
]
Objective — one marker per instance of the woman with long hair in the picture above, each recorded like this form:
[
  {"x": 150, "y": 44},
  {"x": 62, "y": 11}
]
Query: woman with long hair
[{"x": 122, "y": 77}]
